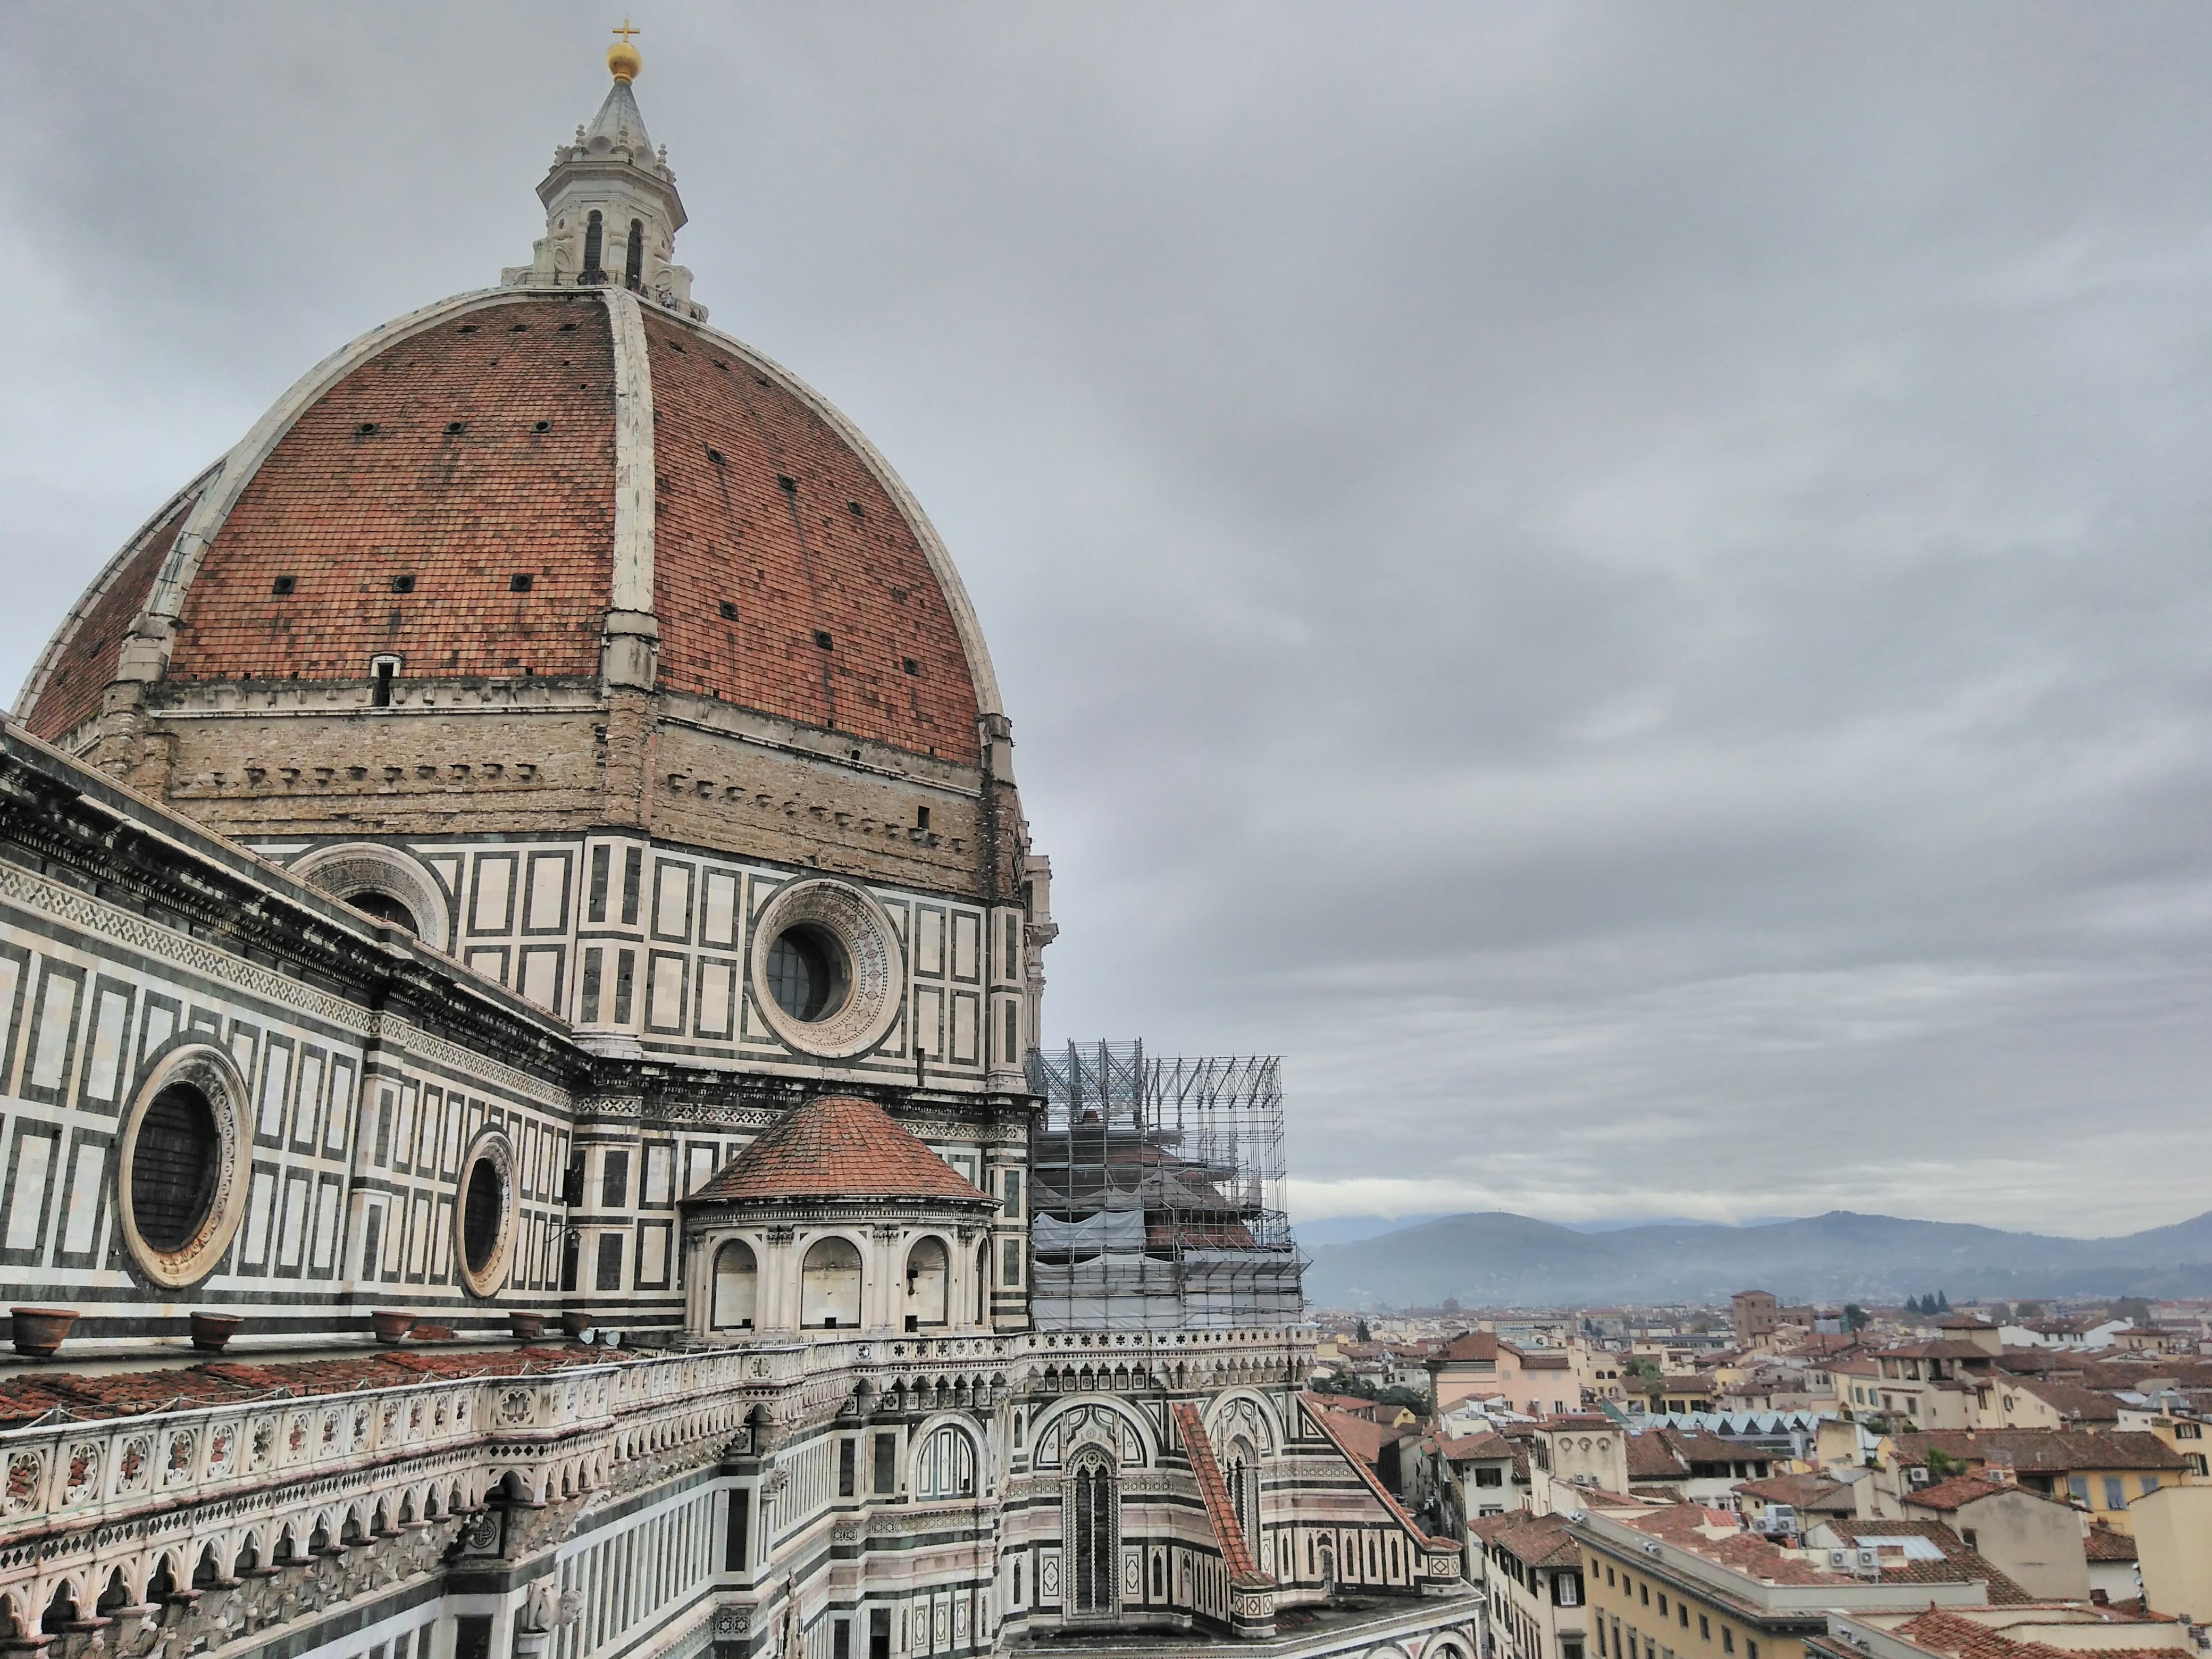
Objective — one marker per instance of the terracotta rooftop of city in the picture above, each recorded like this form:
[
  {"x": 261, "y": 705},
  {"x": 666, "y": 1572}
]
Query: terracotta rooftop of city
[
  {"x": 1958, "y": 1637},
  {"x": 838, "y": 1147}
]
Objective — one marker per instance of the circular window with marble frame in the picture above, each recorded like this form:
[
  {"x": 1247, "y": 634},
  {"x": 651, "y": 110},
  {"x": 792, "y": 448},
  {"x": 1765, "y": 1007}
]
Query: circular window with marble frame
[
  {"x": 194, "y": 1101},
  {"x": 824, "y": 916},
  {"x": 485, "y": 1222}
]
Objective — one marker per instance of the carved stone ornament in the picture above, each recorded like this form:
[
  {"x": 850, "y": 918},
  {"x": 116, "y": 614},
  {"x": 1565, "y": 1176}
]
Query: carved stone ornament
[
  {"x": 213, "y": 1075},
  {"x": 875, "y": 968},
  {"x": 354, "y": 869}
]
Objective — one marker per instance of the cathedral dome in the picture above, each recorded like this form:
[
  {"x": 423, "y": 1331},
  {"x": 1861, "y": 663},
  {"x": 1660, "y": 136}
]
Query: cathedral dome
[
  {"x": 443, "y": 502},
  {"x": 569, "y": 479}
]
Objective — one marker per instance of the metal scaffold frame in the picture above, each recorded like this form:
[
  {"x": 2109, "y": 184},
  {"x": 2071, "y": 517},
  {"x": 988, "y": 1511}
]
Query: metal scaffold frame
[{"x": 1158, "y": 1189}]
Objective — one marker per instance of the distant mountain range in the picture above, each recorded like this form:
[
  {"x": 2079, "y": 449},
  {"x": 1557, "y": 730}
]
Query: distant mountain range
[{"x": 1498, "y": 1259}]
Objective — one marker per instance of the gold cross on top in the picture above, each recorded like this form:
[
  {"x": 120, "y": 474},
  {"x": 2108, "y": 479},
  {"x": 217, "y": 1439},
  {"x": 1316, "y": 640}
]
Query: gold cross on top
[{"x": 626, "y": 31}]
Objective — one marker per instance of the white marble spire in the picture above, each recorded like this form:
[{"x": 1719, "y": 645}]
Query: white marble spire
[{"x": 611, "y": 210}]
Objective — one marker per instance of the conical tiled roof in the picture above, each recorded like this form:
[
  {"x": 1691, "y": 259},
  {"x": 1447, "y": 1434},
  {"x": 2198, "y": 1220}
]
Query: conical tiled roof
[{"x": 837, "y": 1146}]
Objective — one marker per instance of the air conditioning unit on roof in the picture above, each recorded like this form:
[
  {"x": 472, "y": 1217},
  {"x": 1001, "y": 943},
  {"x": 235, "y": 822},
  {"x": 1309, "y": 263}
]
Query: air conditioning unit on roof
[{"x": 1836, "y": 1557}]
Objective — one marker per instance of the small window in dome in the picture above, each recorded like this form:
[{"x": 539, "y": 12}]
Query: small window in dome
[
  {"x": 567, "y": 328},
  {"x": 788, "y": 485},
  {"x": 518, "y": 582},
  {"x": 366, "y": 429},
  {"x": 284, "y": 585},
  {"x": 716, "y": 456},
  {"x": 854, "y": 508},
  {"x": 454, "y": 428},
  {"x": 541, "y": 426},
  {"x": 729, "y": 610},
  {"x": 402, "y": 584},
  {"x": 910, "y": 664},
  {"x": 520, "y": 328},
  {"x": 468, "y": 328},
  {"x": 821, "y": 638},
  {"x": 899, "y": 596}
]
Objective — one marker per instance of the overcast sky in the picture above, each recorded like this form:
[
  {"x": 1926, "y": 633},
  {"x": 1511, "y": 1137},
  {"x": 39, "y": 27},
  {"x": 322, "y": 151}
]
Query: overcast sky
[{"x": 1626, "y": 586}]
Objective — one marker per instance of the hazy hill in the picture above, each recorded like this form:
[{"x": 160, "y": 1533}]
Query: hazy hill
[{"x": 1498, "y": 1259}]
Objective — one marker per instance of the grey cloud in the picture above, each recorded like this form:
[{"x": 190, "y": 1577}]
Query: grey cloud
[{"x": 1626, "y": 586}]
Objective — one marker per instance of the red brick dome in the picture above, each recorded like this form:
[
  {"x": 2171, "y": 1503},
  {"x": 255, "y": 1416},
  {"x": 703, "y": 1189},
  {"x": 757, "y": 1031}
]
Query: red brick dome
[{"x": 472, "y": 492}]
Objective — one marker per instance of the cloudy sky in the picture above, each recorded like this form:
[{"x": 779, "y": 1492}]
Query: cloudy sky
[{"x": 1631, "y": 588}]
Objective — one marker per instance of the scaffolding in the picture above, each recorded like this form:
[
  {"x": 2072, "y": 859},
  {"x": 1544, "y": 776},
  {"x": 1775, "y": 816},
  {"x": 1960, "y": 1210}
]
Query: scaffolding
[{"x": 1157, "y": 1192}]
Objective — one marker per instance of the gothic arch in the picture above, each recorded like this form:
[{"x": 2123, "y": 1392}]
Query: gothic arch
[
  {"x": 1090, "y": 1536},
  {"x": 1084, "y": 1419},
  {"x": 352, "y": 870},
  {"x": 1249, "y": 1411}
]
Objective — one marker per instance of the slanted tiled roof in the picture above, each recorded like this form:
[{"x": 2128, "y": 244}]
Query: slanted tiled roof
[
  {"x": 2076, "y": 1404},
  {"x": 1470, "y": 1345},
  {"x": 2044, "y": 1451},
  {"x": 1957, "y": 1638},
  {"x": 1328, "y": 1423},
  {"x": 836, "y": 1146},
  {"x": 1474, "y": 1448},
  {"x": 1534, "y": 1540},
  {"x": 1363, "y": 1436},
  {"x": 2104, "y": 1543},
  {"x": 1959, "y": 1564},
  {"x": 1221, "y": 1513},
  {"x": 1802, "y": 1492},
  {"x": 1959, "y": 1490}
]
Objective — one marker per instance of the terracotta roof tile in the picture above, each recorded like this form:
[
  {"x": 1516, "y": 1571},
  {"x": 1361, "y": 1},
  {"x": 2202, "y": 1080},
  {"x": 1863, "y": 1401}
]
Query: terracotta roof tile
[
  {"x": 792, "y": 560},
  {"x": 837, "y": 1146}
]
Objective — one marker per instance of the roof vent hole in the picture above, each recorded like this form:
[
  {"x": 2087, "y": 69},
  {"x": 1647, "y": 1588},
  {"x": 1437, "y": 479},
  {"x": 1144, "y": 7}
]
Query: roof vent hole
[
  {"x": 518, "y": 582},
  {"x": 854, "y": 508},
  {"x": 821, "y": 638},
  {"x": 716, "y": 456},
  {"x": 284, "y": 585},
  {"x": 366, "y": 428},
  {"x": 910, "y": 664},
  {"x": 541, "y": 426},
  {"x": 789, "y": 486},
  {"x": 402, "y": 584},
  {"x": 729, "y": 610},
  {"x": 454, "y": 429}
]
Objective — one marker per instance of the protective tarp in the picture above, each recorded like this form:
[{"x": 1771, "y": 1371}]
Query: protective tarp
[{"x": 1107, "y": 1232}]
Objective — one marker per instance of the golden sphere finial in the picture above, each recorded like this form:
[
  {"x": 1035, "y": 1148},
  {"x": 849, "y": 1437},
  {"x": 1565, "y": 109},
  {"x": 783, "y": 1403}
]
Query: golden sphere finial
[{"x": 622, "y": 61}]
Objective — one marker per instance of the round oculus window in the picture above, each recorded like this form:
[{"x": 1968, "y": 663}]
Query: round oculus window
[
  {"x": 809, "y": 974},
  {"x": 483, "y": 1222},
  {"x": 182, "y": 1172},
  {"x": 827, "y": 971},
  {"x": 173, "y": 1178}
]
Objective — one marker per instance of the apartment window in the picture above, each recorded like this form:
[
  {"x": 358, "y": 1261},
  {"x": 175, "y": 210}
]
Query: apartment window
[
  {"x": 1662, "y": 1604},
  {"x": 1490, "y": 1477},
  {"x": 2078, "y": 1485},
  {"x": 1567, "y": 1588},
  {"x": 1608, "y": 1576},
  {"x": 1570, "y": 1649},
  {"x": 1705, "y": 1628},
  {"x": 1682, "y": 1608},
  {"x": 2149, "y": 1484},
  {"x": 1967, "y": 1534},
  {"x": 1750, "y": 1649},
  {"x": 1728, "y": 1640},
  {"x": 1644, "y": 1591},
  {"x": 1601, "y": 1639}
]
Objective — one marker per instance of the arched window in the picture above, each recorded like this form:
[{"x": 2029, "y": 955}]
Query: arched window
[
  {"x": 926, "y": 1269},
  {"x": 593, "y": 235},
  {"x": 1091, "y": 1519},
  {"x": 736, "y": 1286},
  {"x": 946, "y": 1465},
  {"x": 1240, "y": 1473},
  {"x": 634, "y": 260},
  {"x": 829, "y": 1287}
]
